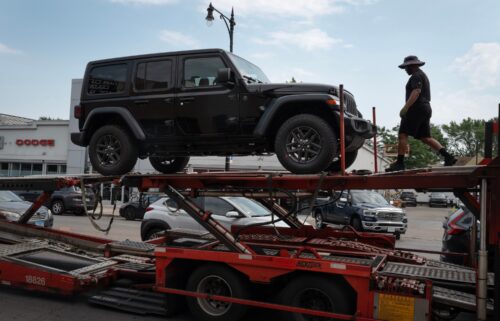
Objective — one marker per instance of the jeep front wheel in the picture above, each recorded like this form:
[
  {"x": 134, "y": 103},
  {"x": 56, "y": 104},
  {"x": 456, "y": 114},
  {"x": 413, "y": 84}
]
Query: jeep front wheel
[
  {"x": 305, "y": 144},
  {"x": 112, "y": 151},
  {"x": 168, "y": 165}
]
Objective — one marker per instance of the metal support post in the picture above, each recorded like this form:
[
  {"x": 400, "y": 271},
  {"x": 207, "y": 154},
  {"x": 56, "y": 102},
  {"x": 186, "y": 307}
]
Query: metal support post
[
  {"x": 375, "y": 147},
  {"x": 482, "y": 271},
  {"x": 34, "y": 207},
  {"x": 342, "y": 130}
]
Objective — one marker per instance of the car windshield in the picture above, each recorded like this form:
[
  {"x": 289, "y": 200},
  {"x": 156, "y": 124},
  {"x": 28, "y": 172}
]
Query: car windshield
[
  {"x": 438, "y": 195},
  {"x": 250, "y": 72},
  {"x": 8, "y": 196},
  {"x": 249, "y": 206},
  {"x": 369, "y": 197}
]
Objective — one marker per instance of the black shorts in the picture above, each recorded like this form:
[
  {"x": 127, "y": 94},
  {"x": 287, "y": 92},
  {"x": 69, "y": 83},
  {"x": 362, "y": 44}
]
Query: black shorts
[{"x": 417, "y": 122}]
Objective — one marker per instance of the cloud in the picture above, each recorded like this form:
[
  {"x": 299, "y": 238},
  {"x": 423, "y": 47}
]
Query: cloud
[
  {"x": 4, "y": 49},
  {"x": 460, "y": 104},
  {"x": 296, "y": 8},
  {"x": 481, "y": 64},
  {"x": 262, "y": 55},
  {"x": 144, "y": 2},
  {"x": 178, "y": 40},
  {"x": 309, "y": 40}
]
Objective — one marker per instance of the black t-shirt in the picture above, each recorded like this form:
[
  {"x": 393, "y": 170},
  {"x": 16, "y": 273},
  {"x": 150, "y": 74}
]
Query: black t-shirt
[{"x": 419, "y": 80}]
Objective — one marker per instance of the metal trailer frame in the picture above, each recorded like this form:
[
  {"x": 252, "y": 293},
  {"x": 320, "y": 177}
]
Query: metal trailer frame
[{"x": 361, "y": 263}]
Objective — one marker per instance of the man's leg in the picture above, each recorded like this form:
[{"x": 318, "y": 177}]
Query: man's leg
[
  {"x": 449, "y": 160},
  {"x": 399, "y": 165}
]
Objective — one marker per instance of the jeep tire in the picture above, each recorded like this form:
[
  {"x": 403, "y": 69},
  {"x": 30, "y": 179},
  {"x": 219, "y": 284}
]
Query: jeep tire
[
  {"x": 112, "y": 150},
  {"x": 350, "y": 157},
  {"x": 305, "y": 144},
  {"x": 168, "y": 165}
]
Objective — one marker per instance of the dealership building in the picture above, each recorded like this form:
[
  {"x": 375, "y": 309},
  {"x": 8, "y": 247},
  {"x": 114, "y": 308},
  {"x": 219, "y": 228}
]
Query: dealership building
[{"x": 43, "y": 147}]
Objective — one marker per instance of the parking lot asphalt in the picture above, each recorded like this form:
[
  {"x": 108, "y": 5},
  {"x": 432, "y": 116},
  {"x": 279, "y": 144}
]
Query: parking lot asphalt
[{"x": 424, "y": 232}]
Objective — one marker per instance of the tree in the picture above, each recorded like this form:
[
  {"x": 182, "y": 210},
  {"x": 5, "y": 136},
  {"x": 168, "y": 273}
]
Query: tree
[
  {"x": 293, "y": 81},
  {"x": 467, "y": 137}
]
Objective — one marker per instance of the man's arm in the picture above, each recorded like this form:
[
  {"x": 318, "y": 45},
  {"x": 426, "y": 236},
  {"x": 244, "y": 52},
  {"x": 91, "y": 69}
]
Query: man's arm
[{"x": 411, "y": 100}]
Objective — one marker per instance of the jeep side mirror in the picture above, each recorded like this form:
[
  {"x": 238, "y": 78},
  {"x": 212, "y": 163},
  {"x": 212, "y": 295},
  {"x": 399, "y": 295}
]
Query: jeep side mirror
[{"x": 223, "y": 76}]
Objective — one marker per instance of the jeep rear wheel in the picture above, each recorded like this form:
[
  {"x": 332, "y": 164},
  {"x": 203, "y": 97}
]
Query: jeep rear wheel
[
  {"x": 168, "y": 165},
  {"x": 305, "y": 144},
  {"x": 112, "y": 151}
]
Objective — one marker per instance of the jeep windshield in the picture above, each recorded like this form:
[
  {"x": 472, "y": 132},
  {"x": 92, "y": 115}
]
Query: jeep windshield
[
  {"x": 250, "y": 72},
  {"x": 369, "y": 198}
]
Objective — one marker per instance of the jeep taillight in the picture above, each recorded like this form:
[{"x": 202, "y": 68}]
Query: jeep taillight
[
  {"x": 149, "y": 209},
  {"x": 77, "y": 112}
]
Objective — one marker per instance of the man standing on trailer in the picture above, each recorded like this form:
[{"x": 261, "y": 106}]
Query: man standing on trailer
[{"x": 416, "y": 114}]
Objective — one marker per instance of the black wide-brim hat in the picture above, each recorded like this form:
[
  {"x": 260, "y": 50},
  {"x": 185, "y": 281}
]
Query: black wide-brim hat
[{"x": 411, "y": 60}]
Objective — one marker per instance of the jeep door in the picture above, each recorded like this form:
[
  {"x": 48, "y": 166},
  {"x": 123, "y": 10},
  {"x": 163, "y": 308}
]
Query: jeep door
[
  {"x": 152, "y": 99},
  {"x": 204, "y": 107},
  {"x": 341, "y": 210}
]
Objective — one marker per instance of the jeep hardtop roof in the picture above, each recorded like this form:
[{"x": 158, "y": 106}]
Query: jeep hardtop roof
[{"x": 155, "y": 55}]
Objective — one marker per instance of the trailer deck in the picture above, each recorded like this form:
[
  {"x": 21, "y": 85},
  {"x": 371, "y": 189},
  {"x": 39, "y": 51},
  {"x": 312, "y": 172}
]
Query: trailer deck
[{"x": 366, "y": 267}]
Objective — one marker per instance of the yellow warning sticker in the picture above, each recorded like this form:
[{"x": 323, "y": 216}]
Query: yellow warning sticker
[{"x": 396, "y": 307}]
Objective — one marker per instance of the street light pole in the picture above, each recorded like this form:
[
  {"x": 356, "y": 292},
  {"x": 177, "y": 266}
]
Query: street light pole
[{"x": 230, "y": 23}]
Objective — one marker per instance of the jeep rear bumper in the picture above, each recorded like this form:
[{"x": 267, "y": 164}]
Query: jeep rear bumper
[{"x": 78, "y": 139}]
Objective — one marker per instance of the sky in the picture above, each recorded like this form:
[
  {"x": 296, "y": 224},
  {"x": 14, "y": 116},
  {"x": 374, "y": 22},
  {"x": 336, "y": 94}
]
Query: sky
[{"x": 358, "y": 43}]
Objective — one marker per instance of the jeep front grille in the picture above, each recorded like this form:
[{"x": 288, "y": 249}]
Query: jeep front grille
[
  {"x": 390, "y": 216},
  {"x": 350, "y": 104}
]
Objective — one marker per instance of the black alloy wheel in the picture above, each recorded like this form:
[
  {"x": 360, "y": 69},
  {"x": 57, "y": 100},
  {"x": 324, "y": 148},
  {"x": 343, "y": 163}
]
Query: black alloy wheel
[
  {"x": 318, "y": 221},
  {"x": 305, "y": 144},
  {"x": 350, "y": 158},
  {"x": 112, "y": 151},
  {"x": 356, "y": 224},
  {"x": 129, "y": 213},
  {"x": 169, "y": 165}
]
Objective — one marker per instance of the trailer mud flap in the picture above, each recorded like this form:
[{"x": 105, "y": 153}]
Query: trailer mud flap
[{"x": 392, "y": 307}]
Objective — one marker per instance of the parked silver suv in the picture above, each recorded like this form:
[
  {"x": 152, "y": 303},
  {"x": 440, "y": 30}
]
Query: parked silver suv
[{"x": 164, "y": 214}]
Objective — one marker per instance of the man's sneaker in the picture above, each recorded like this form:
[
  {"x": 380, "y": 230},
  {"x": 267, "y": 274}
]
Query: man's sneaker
[
  {"x": 450, "y": 161},
  {"x": 396, "y": 166}
]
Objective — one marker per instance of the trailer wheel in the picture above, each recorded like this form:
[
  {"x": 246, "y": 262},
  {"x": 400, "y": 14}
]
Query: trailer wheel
[
  {"x": 216, "y": 280},
  {"x": 316, "y": 293}
]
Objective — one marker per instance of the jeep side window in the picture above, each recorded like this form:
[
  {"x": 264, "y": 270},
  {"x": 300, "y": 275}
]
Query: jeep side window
[
  {"x": 201, "y": 72},
  {"x": 153, "y": 75},
  {"x": 110, "y": 79}
]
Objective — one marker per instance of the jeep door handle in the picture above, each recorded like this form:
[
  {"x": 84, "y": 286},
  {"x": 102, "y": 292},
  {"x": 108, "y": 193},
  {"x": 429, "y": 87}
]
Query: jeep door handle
[{"x": 141, "y": 101}]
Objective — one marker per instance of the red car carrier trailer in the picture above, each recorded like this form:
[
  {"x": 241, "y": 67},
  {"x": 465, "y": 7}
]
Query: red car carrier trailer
[{"x": 305, "y": 273}]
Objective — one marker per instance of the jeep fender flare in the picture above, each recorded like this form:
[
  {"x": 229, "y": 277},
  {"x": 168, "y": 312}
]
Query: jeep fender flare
[
  {"x": 126, "y": 116},
  {"x": 277, "y": 104}
]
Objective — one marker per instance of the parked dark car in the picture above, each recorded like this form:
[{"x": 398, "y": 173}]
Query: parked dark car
[
  {"x": 438, "y": 199},
  {"x": 136, "y": 209},
  {"x": 408, "y": 198},
  {"x": 457, "y": 235},
  {"x": 63, "y": 200},
  {"x": 364, "y": 210},
  {"x": 171, "y": 106},
  {"x": 12, "y": 207}
]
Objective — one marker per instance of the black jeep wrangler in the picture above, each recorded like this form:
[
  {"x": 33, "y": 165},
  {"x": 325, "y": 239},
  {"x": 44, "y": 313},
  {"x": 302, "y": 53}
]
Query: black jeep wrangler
[{"x": 170, "y": 106}]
